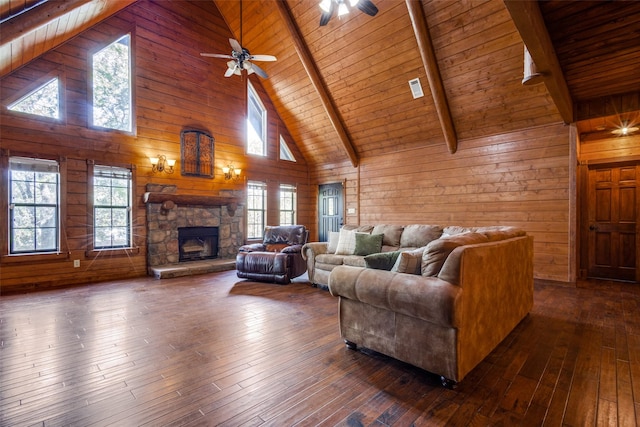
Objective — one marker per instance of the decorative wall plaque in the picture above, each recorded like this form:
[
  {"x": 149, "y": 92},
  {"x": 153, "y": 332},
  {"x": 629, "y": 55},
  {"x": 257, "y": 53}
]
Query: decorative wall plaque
[{"x": 196, "y": 148}]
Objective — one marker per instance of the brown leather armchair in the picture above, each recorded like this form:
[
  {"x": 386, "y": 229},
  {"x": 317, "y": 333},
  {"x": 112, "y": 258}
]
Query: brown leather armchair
[{"x": 277, "y": 259}]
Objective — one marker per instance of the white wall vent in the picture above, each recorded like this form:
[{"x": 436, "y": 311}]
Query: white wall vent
[{"x": 416, "y": 88}]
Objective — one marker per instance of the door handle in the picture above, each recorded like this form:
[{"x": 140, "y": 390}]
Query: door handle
[{"x": 593, "y": 227}]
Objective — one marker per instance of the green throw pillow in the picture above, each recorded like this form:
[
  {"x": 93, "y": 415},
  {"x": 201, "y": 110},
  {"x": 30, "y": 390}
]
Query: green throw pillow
[
  {"x": 367, "y": 244},
  {"x": 381, "y": 261}
]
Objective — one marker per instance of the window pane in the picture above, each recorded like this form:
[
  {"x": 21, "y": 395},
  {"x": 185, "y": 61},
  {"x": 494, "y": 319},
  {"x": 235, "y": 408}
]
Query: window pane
[
  {"x": 46, "y": 217},
  {"x": 24, "y": 216},
  {"x": 46, "y": 239},
  {"x": 112, "y": 203},
  {"x": 44, "y": 101},
  {"x": 46, "y": 194},
  {"x": 112, "y": 86},
  {"x": 23, "y": 240},
  {"x": 34, "y": 209},
  {"x": 21, "y": 191},
  {"x": 256, "y": 123}
]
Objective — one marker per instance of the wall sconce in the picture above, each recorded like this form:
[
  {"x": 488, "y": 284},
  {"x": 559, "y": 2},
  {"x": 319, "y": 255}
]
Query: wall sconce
[
  {"x": 231, "y": 172},
  {"x": 162, "y": 164}
]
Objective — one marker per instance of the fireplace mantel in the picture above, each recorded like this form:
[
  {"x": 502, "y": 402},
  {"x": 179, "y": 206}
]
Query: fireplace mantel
[{"x": 192, "y": 200}]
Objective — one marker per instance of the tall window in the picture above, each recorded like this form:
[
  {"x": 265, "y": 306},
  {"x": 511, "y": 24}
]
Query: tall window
[
  {"x": 256, "y": 209},
  {"x": 111, "y": 207},
  {"x": 112, "y": 101},
  {"x": 256, "y": 123},
  {"x": 34, "y": 205},
  {"x": 44, "y": 101},
  {"x": 287, "y": 204}
]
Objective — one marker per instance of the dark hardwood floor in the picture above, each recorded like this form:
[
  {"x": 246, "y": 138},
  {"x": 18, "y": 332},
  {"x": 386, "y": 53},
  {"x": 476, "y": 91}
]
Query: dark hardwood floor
[{"x": 216, "y": 350}]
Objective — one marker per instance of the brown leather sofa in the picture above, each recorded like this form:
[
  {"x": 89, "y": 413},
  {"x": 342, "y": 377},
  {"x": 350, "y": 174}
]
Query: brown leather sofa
[
  {"x": 277, "y": 259},
  {"x": 446, "y": 320}
]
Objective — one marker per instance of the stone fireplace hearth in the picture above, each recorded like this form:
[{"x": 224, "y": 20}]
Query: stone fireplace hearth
[{"x": 168, "y": 210}]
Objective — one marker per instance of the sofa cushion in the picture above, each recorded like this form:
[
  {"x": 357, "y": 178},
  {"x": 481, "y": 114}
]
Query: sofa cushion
[
  {"x": 346, "y": 242},
  {"x": 418, "y": 236},
  {"x": 334, "y": 237},
  {"x": 329, "y": 259},
  {"x": 409, "y": 262},
  {"x": 382, "y": 260},
  {"x": 437, "y": 251},
  {"x": 354, "y": 260},
  {"x": 358, "y": 228},
  {"x": 275, "y": 247},
  {"x": 391, "y": 234},
  {"x": 367, "y": 244},
  {"x": 452, "y": 230}
]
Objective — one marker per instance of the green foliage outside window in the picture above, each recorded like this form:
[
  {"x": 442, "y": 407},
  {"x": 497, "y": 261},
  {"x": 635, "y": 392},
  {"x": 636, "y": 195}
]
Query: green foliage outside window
[{"x": 112, "y": 86}]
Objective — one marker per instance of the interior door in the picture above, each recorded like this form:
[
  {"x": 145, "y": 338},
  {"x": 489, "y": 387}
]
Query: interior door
[
  {"x": 613, "y": 216},
  {"x": 330, "y": 210}
]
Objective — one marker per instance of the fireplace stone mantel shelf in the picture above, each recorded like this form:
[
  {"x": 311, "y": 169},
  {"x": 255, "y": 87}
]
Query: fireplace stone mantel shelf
[{"x": 169, "y": 200}]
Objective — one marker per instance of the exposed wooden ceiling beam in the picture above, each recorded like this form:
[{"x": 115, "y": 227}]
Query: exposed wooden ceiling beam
[
  {"x": 314, "y": 75},
  {"x": 419, "y": 23},
  {"x": 34, "y": 18},
  {"x": 528, "y": 19}
]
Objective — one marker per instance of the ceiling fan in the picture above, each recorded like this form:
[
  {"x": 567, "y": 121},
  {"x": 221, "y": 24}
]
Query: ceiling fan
[
  {"x": 328, "y": 6},
  {"x": 241, "y": 57},
  {"x": 241, "y": 60}
]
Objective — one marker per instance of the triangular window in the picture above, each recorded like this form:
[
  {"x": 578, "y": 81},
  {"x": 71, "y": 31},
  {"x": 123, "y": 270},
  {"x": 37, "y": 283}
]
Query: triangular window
[
  {"x": 285, "y": 152},
  {"x": 43, "y": 101}
]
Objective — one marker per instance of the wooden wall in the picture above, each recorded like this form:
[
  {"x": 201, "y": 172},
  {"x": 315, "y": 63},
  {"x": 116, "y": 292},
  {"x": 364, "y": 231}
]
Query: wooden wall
[
  {"x": 175, "y": 89},
  {"x": 520, "y": 178}
]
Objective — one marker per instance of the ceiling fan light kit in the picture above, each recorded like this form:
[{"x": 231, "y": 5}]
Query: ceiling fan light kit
[{"x": 329, "y": 6}]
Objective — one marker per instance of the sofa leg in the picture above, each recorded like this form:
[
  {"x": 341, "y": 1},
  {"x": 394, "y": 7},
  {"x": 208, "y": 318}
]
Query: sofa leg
[
  {"x": 351, "y": 345},
  {"x": 447, "y": 383}
]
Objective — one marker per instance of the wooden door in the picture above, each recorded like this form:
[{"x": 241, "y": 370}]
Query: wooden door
[
  {"x": 330, "y": 210},
  {"x": 613, "y": 216}
]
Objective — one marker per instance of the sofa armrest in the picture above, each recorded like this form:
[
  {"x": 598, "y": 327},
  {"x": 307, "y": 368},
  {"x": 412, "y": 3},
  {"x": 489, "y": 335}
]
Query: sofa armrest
[
  {"x": 254, "y": 247},
  {"x": 293, "y": 249},
  {"x": 427, "y": 298},
  {"x": 309, "y": 253}
]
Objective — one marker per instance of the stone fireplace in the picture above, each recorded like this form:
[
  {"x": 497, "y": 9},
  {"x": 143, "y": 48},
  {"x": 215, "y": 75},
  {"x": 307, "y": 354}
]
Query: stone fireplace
[{"x": 169, "y": 211}]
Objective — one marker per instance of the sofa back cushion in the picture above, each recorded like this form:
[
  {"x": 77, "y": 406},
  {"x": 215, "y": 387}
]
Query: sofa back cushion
[
  {"x": 418, "y": 235},
  {"x": 285, "y": 234},
  {"x": 437, "y": 251},
  {"x": 391, "y": 234}
]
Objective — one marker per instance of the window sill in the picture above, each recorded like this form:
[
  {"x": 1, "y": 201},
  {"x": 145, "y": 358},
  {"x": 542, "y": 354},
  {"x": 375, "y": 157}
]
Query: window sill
[
  {"x": 30, "y": 258},
  {"x": 95, "y": 253}
]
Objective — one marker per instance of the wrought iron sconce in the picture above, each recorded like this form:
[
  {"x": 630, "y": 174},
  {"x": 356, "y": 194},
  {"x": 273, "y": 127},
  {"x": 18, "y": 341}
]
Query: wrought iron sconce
[
  {"x": 231, "y": 172},
  {"x": 162, "y": 164}
]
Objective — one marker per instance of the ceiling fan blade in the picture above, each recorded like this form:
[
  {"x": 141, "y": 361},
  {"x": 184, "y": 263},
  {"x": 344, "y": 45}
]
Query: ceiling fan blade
[
  {"x": 235, "y": 45},
  {"x": 259, "y": 71},
  {"x": 326, "y": 16},
  {"x": 367, "y": 7},
  {"x": 216, "y": 55},
  {"x": 263, "y": 58}
]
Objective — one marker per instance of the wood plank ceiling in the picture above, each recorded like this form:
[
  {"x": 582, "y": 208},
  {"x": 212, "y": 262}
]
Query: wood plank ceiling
[{"x": 364, "y": 105}]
